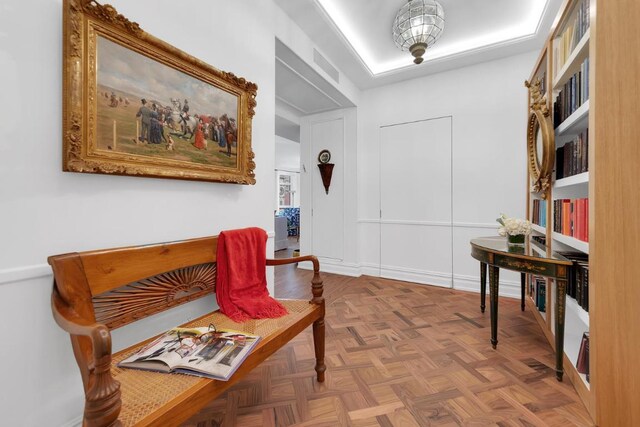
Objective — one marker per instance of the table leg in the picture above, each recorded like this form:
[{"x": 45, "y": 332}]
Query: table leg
[
  {"x": 561, "y": 291},
  {"x": 523, "y": 281},
  {"x": 483, "y": 285},
  {"x": 494, "y": 273}
]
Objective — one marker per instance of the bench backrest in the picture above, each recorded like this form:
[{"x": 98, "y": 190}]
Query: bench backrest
[{"x": 118, "y": 286}]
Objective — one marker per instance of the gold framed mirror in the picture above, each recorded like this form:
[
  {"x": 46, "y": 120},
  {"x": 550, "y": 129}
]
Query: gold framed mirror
[{"x": 540, "y": 142}]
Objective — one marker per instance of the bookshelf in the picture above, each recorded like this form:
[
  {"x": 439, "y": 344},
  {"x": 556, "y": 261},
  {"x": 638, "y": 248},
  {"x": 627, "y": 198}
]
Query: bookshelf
[
  {"x": 563, "y": 67},
  {"x": 571, "y": 242},
  {"x": 581, "y": 179},
  {"x": 577, "y": 121},
  {"x": 577, "y": 56},
  {"x": 539, "y": 229}
]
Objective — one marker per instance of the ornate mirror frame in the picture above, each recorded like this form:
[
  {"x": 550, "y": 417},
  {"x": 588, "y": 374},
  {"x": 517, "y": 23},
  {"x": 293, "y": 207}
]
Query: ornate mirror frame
[
  {"x": 540, "y": 169},
  {"x": 84, "y": 147}
]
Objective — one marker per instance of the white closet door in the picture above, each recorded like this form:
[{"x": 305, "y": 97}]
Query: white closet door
[{"x": 415, "y": 201}]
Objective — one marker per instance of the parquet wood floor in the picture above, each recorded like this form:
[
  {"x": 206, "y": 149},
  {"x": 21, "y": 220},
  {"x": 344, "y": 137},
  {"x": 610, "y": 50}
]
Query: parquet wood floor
[{"x": 401, "y": 354}]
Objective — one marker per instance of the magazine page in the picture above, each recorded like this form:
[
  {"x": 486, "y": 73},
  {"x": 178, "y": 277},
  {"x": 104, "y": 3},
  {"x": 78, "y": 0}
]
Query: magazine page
[
  {"x": 168, "y": 349},
  {"x": 204, "y": 352},
  {"x": 220, "y": 355}
]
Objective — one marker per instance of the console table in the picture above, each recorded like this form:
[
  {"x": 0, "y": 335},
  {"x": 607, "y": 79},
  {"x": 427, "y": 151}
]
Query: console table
[{"x": 530, "y": 258}]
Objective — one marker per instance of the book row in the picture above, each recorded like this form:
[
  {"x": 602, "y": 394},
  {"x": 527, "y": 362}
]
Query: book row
[
  {"x": 573, "y": 94},
  {"x": 578, "y": 280},
  {"x": 571, "y": 218},
  {"x": 566, "y": 42},
  {"x": 538, "y": 292},
  {"x": 539, "y": 214},
  {"x": 573, "y": 157}
]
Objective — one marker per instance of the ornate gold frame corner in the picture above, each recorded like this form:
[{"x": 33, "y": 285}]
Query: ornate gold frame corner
[
  {"x": 540, "y": 170},
  {"x": 83, "y": 20}
]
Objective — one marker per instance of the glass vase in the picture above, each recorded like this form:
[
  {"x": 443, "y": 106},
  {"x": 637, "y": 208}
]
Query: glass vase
[{"x": 515, "y": 240}]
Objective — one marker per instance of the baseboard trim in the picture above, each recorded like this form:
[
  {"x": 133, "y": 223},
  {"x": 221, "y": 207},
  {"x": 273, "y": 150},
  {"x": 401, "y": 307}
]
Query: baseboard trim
[
  {"x": 368, "y": 269},
  {"x": 425, "y": 277},
  {"x": 334, "y": 267},
  {"x": 507, "y": 288}
]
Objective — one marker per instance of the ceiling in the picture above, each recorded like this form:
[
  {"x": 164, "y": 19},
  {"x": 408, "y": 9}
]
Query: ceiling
[
  {"x": 300, "y": 91},
  {"x": 355, "y": 35},
  {"x": 287, "y": 129},
  {"x": 302, "y": 87}
]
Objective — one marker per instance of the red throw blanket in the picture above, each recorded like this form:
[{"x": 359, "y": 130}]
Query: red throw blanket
[{"x": 241, "y": 287}]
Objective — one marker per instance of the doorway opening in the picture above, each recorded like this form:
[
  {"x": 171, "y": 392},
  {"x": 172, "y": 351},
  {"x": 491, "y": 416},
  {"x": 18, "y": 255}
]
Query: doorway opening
[{"x": 287, "y": 221}]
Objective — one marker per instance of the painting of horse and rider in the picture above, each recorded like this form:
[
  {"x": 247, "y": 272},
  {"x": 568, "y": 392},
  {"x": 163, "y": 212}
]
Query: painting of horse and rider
[{"x": 147, "y": 108}]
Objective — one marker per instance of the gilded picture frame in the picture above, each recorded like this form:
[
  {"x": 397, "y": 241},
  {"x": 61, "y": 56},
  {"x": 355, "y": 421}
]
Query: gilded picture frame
[
  {"x": 126, "y": 107},
  {"x": 540, "y": 141}
]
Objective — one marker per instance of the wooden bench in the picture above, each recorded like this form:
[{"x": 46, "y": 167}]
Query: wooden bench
[{"x": 98, "y": 291}]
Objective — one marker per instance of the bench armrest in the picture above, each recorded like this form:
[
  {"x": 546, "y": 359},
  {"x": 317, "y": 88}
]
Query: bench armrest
[
  {"x": 282, "y": 261},
  {"x": 316, "y": 282},
  {"x": 102, "y": 392},
  {"x": 71, "y": 322}
]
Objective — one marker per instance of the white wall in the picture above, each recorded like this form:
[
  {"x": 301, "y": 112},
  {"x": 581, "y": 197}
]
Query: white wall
[
  {"x": 44, "y": 211},
  {"x": 287, "y": 155},
  {"x": 488, "y": 105}
]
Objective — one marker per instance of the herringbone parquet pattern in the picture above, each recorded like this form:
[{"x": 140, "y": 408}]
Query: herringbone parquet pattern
[{"x": 400, "y": 354}]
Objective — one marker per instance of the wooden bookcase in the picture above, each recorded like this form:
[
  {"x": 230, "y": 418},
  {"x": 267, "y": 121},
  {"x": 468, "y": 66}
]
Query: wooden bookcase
[
  {"x": 554, "y": 71},
  {"x": 612, "y": 185},
  {"x": 614, "y": 228}
]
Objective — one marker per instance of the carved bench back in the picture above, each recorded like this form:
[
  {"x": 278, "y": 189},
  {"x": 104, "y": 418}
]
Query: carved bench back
[{"x": 123, "y": 285}]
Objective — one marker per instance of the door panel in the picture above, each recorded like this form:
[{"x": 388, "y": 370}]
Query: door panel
[
  {"x": 328, "y": 209},
  {"x": 415, "y": 201},
  {"x": 417, "y": 253}
]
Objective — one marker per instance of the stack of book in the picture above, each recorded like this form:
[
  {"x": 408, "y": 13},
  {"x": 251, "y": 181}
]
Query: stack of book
[
  {"x": 571, "y": 218},
  {"x": 539, "y": 214},
  {"x": 538, "y": 292},
  {"x": 573, "y": 157},
  {"x": 573, "y": 94},
  {"x": 578, "y": 281},
  {"x": 571, "y": 36}
]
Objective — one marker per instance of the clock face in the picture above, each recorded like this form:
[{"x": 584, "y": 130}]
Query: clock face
[{"x": 324, "y": 156}]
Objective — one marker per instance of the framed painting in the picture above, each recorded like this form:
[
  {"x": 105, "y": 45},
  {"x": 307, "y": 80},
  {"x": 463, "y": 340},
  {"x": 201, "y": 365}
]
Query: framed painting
[{"x": 135, "y": 105}]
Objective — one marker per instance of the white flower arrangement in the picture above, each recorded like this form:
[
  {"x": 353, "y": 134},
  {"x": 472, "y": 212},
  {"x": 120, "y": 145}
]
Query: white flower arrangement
[{"x": 513, "y": 226}]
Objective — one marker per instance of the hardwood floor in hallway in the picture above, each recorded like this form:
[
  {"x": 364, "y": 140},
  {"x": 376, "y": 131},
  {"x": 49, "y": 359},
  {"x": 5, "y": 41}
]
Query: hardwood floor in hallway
[{"x": 401, "y": 354}]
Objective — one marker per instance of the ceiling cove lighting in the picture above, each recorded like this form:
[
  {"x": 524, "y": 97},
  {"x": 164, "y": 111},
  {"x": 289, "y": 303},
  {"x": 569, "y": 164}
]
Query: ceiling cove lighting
[
  {"x": 338, "y": 12},
  {"x": 418, "y": 25}
]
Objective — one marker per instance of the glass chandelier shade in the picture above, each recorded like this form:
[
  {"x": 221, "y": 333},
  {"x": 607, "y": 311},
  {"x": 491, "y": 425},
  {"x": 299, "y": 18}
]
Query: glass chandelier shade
[{"x": 418, "y": 25}]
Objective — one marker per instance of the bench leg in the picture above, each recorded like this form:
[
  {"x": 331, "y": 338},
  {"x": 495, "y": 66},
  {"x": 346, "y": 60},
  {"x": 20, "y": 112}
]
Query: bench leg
[
  {"x": 103, "y": 399},
  {"x": 318, "y": 343}
]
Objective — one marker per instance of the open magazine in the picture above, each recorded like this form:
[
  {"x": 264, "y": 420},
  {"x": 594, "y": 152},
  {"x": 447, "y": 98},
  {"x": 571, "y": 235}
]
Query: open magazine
[{"x": 204, "y": 352}]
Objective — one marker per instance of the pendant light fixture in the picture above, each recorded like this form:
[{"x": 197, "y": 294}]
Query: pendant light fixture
[{"x": 418, "y": 25}]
